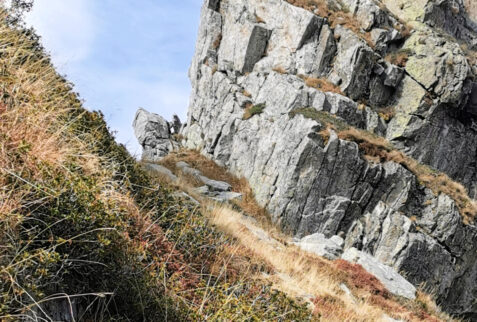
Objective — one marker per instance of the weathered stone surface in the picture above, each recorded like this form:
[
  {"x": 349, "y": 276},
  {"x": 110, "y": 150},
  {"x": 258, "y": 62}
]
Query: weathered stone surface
[
  {"x": 226, "y": 196},
  {"x": 448, "y": 15},
  {"x": 471, "y": 106},
  {"x": 213, "y": 189},
  {"x": 215, "y": 185},
  {"x": 394, "y": 282},
  {"x": 213, "y": 4},
  {"x": 354, "y": 63},
  {"x": 320, "y": 245},
  {"x": 370, "y": 14},
  {"x": 161, "y": 170},
  {"x": 153, "y": 133},
  {"x": 187, "y": 169},
  {"x": 379, "y": 93},
  {"x": 316, "y": 56},
  {"x": 394, "y": 75},
  {"x": 438, "y": 65},
  {"x": 406, "y": 102},
  {"x": 471, "y": 8}
]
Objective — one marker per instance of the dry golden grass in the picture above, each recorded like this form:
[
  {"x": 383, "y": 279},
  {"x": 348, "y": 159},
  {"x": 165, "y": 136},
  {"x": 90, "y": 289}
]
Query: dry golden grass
[
  {"x": 211, "y": 170},
  {"x": 217, "y": 42},
  {"x": 387, "y": 113},
  {"x": 398, "y": 58},
  {"x": 30, "y": 110},
  {"x": 247, "y": 94},
  {"x": 280, "y": 70},
  {"x": 321, "y": 84},
  {"x": 300, "y": 275},
  {"x": 259, "y": 19},
  {"x": 379, "y": 149}
]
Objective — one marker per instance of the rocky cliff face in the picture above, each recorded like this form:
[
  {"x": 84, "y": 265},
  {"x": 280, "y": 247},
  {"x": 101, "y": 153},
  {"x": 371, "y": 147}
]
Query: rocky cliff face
[{"x": 278, "y": 84}]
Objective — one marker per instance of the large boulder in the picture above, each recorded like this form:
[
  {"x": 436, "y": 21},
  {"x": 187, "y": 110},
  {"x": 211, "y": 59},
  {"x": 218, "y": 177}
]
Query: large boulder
[
  {"x": 318, "y": 244},
  {"x": 154, "y": 135}
]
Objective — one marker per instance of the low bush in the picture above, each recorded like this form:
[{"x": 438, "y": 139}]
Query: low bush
[{"x": 253, "y": 110}]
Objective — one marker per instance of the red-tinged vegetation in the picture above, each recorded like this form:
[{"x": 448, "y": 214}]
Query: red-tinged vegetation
[{"x": 359, "y": 278}]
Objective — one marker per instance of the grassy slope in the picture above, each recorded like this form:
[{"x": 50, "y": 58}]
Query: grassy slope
[{"x": 81, "y": 222}]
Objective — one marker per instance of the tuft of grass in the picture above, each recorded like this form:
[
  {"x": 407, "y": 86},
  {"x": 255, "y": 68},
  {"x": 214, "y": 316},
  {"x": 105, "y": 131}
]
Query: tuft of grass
[
  {"x": 246, "y": 94},
  {"x": 252, "y": 110},
  {"x": 259, "y": 19},
  {"x": 322, "y": 84},
  {"x": 399, "y": 58},
  {"x": 329, "y": 120},
  {"x": 279, "y": 70},
  {"x": 217, "y": 42},
  {"x": 387, "y": 113}
]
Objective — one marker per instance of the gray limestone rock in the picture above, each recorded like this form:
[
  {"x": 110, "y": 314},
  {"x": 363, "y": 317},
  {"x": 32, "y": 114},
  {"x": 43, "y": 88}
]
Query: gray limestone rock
[
  {"x": 394, "y": 75},
  {"x": 394, "y": 282},
  {"x": 315, "y": 57},
  {"x": 226, "y": 196},
  {"x": 354, "y": 63},
  {"x": 214, "y": 185},
  {"x": 153, "y": 133},
  {"x": 320, "y": 245},
  {"x": 161, "y": 170},
  {"x": 255, "y": 48},
  {"x": 213, "y": 4}
]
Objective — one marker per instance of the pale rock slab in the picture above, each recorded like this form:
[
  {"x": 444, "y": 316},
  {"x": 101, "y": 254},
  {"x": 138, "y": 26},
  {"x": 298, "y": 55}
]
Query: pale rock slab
[{"x": 394, "y": 282}]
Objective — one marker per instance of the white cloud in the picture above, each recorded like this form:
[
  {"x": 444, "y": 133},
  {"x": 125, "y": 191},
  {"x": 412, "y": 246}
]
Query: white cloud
[{"x": 68, "y": 28}]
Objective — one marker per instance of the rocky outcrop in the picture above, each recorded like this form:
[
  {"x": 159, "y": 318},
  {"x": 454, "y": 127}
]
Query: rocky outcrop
[
  {"x": 156, "y": 136},
  {"x": 394, "y": 282},
  {"x": 330, "y": 248},
  {"x": 448, "y": 15},
  {"x": 268, "y": 53}
]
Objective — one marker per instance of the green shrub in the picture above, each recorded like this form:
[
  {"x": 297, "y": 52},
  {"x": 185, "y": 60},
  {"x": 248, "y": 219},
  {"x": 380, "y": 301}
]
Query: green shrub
[{"x": 253, "y": 110}]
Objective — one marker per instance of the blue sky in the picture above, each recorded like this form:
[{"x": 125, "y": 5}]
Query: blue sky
[{"x": 122, "y": 54}]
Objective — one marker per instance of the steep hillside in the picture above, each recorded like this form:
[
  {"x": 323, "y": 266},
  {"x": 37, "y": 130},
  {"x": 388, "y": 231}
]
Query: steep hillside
[{"x": 349, "y": 118}]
